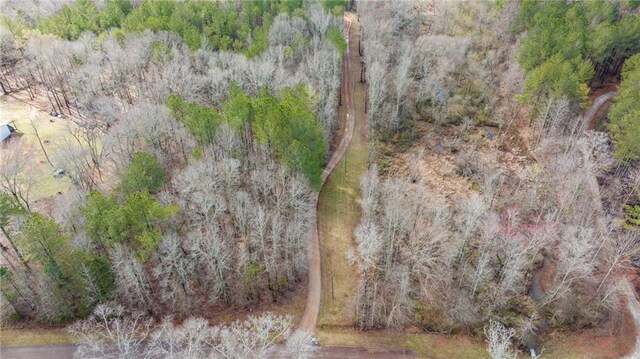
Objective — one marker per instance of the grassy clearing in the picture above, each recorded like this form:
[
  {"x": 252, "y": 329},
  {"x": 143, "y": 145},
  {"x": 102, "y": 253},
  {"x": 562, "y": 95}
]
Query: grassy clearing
[
  {"x": 52, "y": 131},
  {"x": 338, "y": 215},
  {"x": 587, "y": 345},
  {"x": 339, "y": 211},
  {"x": 435, "y": 346},
  {"x": 32, "y": 337},
  {"x": 430, "y": 346}
]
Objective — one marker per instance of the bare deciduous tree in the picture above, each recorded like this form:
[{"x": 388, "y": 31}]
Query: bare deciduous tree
[
  {"x": 499, "y": 338},
  {"x": 111, "y": 332},
  {"x": 16, "y": 171}
]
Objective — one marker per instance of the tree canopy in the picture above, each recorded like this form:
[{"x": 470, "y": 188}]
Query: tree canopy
[
  {"x": 624, "y": 115},
  {"x": 143, "y": 174},
  {"x": 288, "y": 124},
  {"x": 136, "y": 221},
  {"x": 131, "y": 215},
  {"x": 145, "y": 83},
  {"x": 570, "y": 44},
  {"x": 200, "y": 120},
  {"x": 216, "y": 25},
  {"x": 285, "y": 121}
]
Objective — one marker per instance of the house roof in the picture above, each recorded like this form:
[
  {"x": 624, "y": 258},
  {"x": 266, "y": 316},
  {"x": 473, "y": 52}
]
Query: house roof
[{"x": 4, "y": 132}]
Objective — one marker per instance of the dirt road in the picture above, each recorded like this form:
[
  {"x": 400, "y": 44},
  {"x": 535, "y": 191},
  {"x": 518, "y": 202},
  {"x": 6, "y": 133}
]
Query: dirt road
[
  {"x": 633, "y": 304},
  {"x": 634, "y": 308},
  {"x": 589, "y": 115},
  {"x": 314, "y": 293}
]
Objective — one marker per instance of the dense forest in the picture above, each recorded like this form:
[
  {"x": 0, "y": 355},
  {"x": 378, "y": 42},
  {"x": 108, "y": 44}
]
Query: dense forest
[
  {"x": 196, "y": 137},
  {"x": 488, "y": 198},
  {"x": 200, "y": 130}
]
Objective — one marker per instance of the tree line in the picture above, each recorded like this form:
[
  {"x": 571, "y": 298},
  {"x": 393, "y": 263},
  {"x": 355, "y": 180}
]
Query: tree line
[
  {"x": 221, "y": 26},
  {"x": 113, "y": 332}
]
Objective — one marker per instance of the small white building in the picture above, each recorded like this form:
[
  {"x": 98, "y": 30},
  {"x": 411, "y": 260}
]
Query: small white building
[{"x": 6, "y": 130}]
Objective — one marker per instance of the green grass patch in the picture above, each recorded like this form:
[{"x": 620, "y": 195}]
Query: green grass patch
[
  {"x": 338, "y": 215},
  {"x": 424, "y": 345}
]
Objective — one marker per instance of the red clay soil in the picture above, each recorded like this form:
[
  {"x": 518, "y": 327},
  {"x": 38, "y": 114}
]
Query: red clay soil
[{"x": 607, "y": 87}]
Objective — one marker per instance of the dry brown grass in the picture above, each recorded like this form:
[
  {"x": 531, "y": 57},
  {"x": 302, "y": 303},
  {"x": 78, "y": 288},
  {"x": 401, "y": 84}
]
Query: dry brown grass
[
  {"x": 52, "y": 130},
  {"x": 432, "y": 346},
  {"x": 32, "y": 337}
]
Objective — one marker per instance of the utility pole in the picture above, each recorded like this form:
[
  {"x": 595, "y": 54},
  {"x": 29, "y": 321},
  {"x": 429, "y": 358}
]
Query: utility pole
[
  {"x": 346, "y": 133},
  {"x": 332, "y": 294}
]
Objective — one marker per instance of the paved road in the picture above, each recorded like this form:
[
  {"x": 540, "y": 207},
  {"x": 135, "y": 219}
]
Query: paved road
[
  {"x": 314, "y": 292},
  {"x": 39, "y": 352},
  {"x": 322, "y": 352},
  {"x": 331, "y": 352},
  {"x": 590, "y": 115}
]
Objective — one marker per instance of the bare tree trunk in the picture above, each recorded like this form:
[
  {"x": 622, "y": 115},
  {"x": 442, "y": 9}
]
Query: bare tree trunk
[
  {"x": 4, "y": 90},
  {"x": 37, "y": 133},
  {"x": 13, "y": 245},
  {"x": 7, "y": 257}
]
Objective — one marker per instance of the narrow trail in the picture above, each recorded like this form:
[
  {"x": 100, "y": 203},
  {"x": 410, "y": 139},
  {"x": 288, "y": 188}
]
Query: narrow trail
[{"x": 314, "y": 292}]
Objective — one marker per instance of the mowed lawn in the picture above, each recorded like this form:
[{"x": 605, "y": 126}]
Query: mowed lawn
[{"x": 52, "y": 131}]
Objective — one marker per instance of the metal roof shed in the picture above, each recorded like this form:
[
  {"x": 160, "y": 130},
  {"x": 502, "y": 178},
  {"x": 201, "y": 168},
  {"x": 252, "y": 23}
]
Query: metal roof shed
[{"x": 5, "y": 130}]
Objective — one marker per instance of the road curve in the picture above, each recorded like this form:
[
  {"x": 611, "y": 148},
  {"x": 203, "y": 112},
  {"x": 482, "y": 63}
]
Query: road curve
[
  {"x": 590, "y": 114},
  {"x": 634, "y": 308},
  {"x": 314, "y": 292},
  {"x": 633, "y": 304}
]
